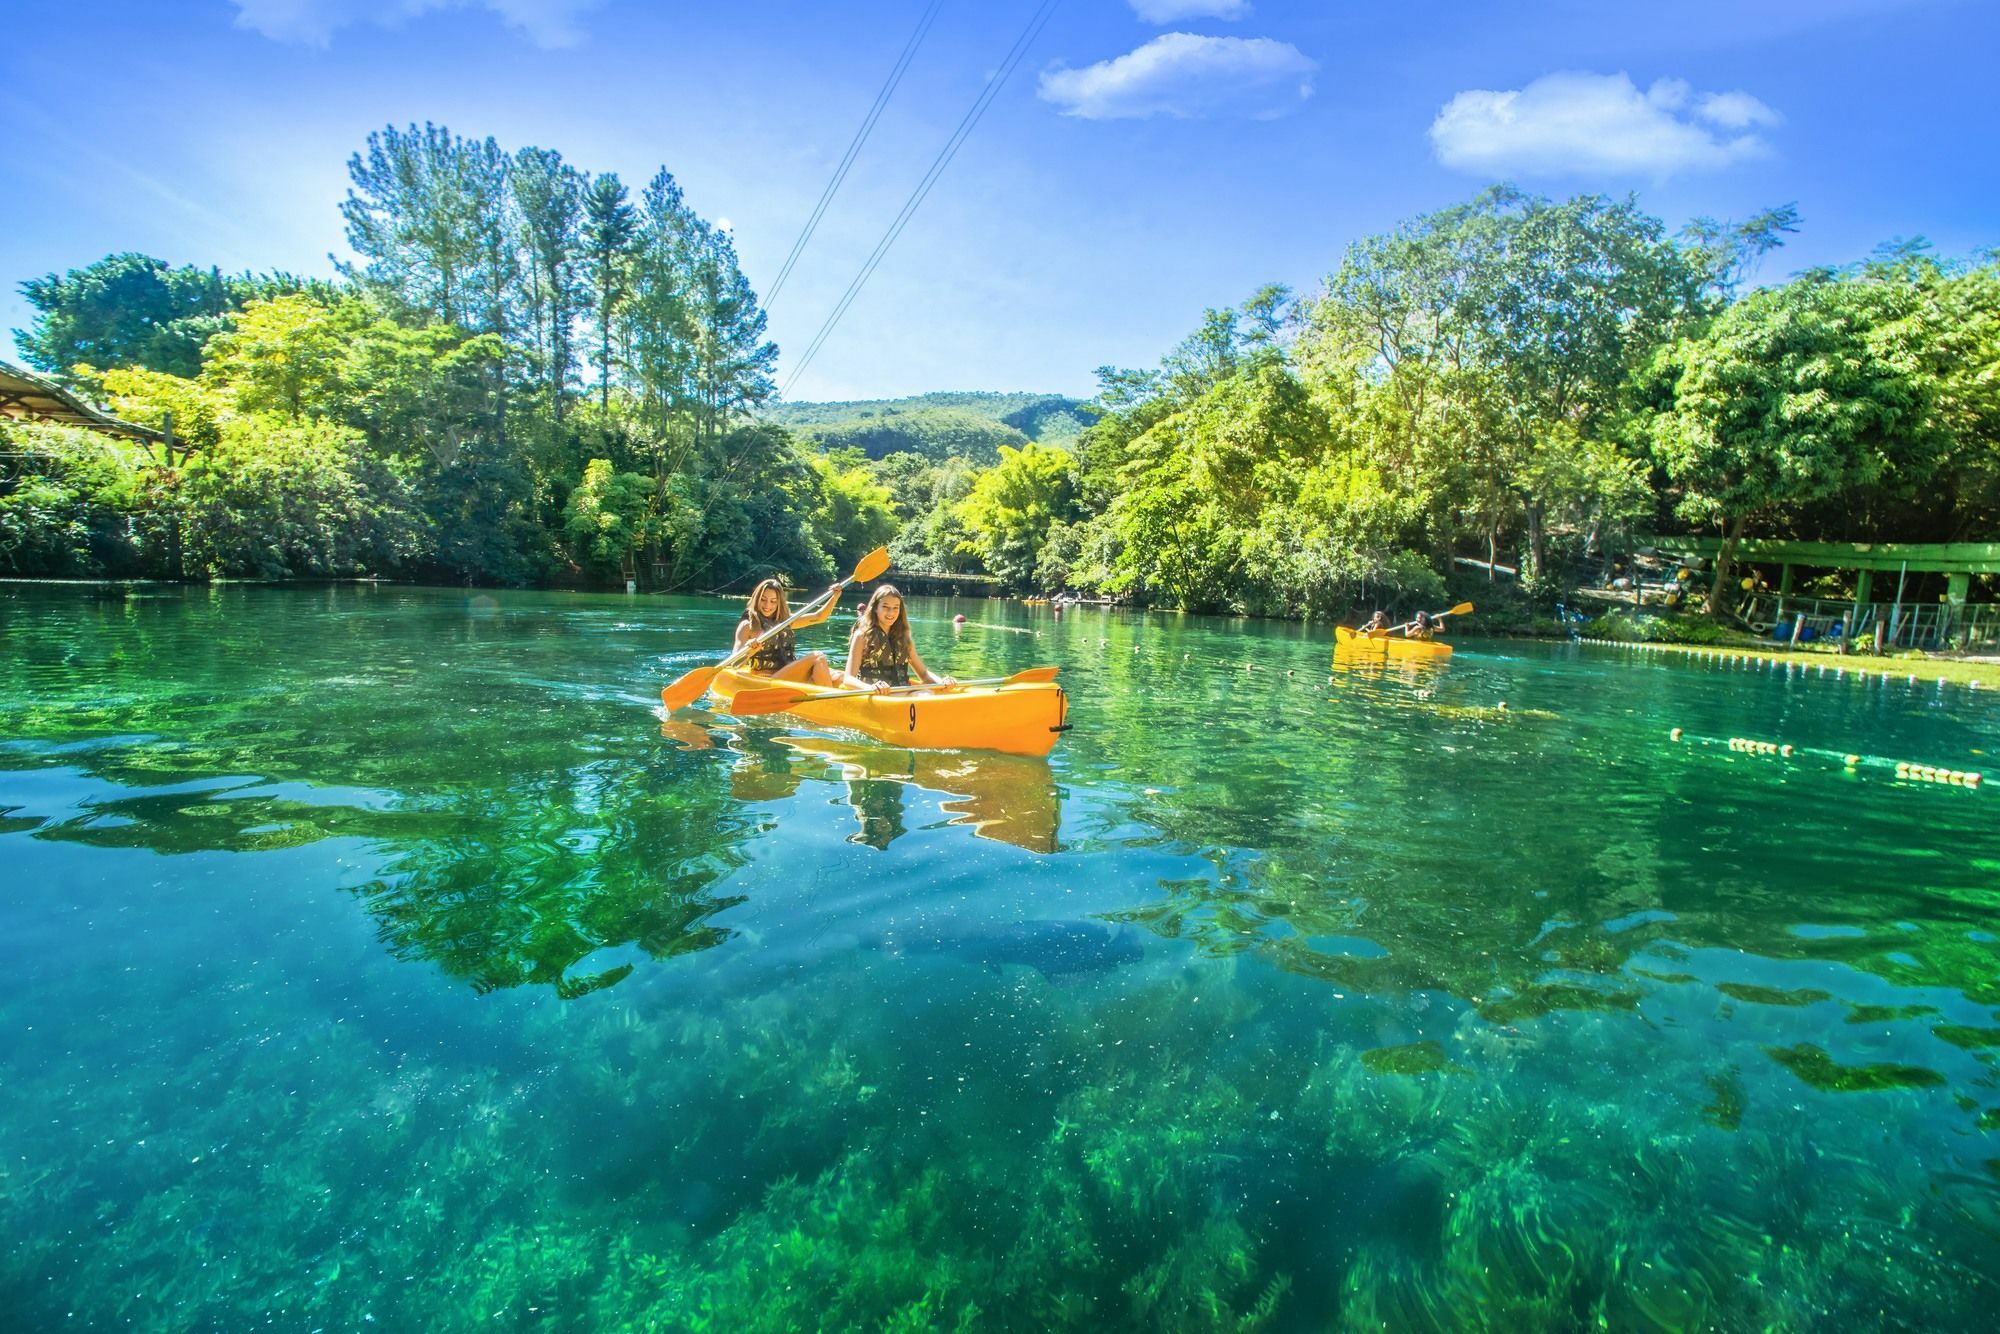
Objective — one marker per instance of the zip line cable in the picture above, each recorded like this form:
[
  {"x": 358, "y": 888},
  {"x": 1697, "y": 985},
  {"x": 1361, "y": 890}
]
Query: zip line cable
[
  {"x": 1036, "y": 22},
  {"x": 987, "y": 95},
  {"x": 882, "y": 97}
]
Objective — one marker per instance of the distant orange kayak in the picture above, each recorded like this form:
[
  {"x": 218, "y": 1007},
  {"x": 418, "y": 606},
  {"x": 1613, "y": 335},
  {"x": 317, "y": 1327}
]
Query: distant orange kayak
[{"x": 1352, "y": 644}]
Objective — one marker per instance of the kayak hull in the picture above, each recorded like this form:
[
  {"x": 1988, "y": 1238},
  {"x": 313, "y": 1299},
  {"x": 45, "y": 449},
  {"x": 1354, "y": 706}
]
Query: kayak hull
[
  {"x": 1353, "y": 645},
  {"x": 1023, "y": 719}
]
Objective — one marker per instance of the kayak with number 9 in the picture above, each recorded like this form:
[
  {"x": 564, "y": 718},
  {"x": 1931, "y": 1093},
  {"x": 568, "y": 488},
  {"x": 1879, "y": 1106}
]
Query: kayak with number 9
[{"x": 1019, "y": 719}]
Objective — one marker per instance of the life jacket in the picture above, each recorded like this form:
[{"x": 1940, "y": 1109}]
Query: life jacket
[
  {"x": 774, "y": 653},
  {"x": 883, "y": 658}
]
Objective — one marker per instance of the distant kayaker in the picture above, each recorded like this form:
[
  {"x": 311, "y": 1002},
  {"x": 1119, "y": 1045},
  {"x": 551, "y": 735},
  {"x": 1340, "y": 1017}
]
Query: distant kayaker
[
  {"x": 778, "y": 657},
  {"x": 1378, "y": 624},
  {"x": 1421, "y": 628},
  {"x": 882, "y": 652}
]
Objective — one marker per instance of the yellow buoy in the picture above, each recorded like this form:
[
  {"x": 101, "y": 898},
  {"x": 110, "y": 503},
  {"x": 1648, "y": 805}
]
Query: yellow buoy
[
  {"x": 1674, "y": 735},
  {"x": 1853, "y": 760}
]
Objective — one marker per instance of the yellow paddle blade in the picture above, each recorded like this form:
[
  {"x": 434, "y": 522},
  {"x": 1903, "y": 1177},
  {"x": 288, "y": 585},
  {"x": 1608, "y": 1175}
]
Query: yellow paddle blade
[
  {"x": 1460, "y": 610},
  {"x": 687, "y": 689},
  {"x": 1031, "y": 676},
  {"x": 870, "y": 566}
]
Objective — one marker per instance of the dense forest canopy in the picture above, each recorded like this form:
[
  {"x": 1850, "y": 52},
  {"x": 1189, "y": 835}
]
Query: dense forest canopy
[
  {"x": 532, "y": 373},
  {"x": 938, "y": 425}
]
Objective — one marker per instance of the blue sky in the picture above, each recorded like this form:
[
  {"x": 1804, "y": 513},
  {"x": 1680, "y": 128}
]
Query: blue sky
[{"x": 1149, "y": 157}]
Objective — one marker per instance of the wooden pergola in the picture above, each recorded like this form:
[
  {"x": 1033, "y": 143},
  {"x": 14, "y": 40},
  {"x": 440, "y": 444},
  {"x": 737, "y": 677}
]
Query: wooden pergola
[{"x": 27, "y": 397}]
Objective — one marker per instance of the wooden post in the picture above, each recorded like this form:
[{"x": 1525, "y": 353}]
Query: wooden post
[{"x": 1896, "y": 616}]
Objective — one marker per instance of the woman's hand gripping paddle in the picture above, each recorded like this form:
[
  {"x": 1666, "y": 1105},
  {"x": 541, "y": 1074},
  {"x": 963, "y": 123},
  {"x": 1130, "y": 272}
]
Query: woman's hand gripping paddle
[{"x": 694, "y": 684}]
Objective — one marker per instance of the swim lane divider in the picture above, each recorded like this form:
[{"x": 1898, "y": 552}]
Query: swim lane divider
[{"x": 1904, "y": 769}]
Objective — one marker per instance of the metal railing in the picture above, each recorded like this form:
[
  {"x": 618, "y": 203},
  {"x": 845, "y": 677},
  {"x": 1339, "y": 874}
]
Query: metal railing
[{"x": 1936, "y": 626}]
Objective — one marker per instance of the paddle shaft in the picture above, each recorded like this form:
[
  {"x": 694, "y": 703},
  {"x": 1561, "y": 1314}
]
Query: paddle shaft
[
  {"x": 1459, "y": 610},
  {"x": 806, "y": 610},
  {"x": 691, "y": 685}
]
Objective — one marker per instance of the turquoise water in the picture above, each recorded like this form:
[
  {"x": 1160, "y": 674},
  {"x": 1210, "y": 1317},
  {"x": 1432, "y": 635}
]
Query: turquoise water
[{"x": 379, "y": 957}]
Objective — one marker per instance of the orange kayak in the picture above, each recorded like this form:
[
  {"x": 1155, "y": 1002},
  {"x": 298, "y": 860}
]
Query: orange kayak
[
  {"x": 1023, "y": 719},
  {"x": 1352, "y": 644}
]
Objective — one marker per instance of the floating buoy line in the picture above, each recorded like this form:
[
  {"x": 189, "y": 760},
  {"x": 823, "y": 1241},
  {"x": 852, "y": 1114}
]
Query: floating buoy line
[
  {"x": 1728, "y": 658},
  {"x": 1907, "y": 770}
]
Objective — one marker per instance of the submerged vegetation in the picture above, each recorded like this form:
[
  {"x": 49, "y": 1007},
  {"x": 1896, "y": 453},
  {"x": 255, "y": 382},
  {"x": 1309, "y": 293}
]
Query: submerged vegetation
[{"x": 475, "y": 1003}]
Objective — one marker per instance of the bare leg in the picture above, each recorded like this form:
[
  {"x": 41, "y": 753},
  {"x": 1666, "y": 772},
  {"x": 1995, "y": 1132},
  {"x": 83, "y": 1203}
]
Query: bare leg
[{"x": 798, "y": 669}]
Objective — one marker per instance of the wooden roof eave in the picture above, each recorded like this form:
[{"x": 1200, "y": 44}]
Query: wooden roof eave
[{"x": 27, "y": 397}]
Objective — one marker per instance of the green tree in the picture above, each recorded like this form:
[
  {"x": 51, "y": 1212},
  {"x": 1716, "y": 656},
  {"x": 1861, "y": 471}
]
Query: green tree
[
  {"x": 1501, "y": 332},
  {"x": 289, "y": 355},
  {"x": 1784, "y": 400},
  {"x": 610, "y": 229},
  {"x": 1011, "y": 507},
  {"x": 854, "y": 513},
  {"x": 548, "y": 197},
  {"x": 609, "y": 517},
  {"x": 126, "y": 310},
  {"x": 423, "y": 213}
]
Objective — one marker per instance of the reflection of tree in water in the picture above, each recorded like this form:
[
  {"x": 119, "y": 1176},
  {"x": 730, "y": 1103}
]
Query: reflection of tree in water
[
  {"x": 523, "y": 822},
  {"x": 553, "y": 873},
  {"x": 1438, "y": 849}
]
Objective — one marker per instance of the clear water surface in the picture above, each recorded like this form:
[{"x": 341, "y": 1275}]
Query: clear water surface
[{"x": 379, "y": 957}]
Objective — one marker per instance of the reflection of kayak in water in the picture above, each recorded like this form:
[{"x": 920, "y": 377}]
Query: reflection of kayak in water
[
  {"x": 1023, "y": 719},
  {"x": 1352, "y": 645},
  {"x": 1007, "y": 798}
]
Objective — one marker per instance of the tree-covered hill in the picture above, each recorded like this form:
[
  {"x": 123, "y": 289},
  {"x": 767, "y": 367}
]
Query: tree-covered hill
[{"x": 939, "y": 425}]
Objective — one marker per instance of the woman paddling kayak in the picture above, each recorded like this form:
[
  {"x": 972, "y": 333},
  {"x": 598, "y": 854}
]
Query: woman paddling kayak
[
  {"x": 881, "y": 652},
  {"x": 778, "y": 657}
]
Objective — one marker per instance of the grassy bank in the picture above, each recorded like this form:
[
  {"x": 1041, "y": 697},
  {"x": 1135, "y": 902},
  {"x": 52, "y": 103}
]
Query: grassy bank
[{"x": 1981, "y": 674}]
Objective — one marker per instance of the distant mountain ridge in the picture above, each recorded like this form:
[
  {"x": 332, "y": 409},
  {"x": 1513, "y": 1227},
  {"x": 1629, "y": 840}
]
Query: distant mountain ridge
[{"x": 938, "y": 425}]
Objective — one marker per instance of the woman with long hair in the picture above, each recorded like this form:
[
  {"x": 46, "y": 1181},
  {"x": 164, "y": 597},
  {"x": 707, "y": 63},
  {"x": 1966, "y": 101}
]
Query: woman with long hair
[
  {"x": 881, "y": 652},
  {"x": 778, "y": 657}
]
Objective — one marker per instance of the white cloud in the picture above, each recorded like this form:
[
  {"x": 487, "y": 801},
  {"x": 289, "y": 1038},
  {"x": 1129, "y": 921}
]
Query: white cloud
[
  {"x": 1180, "y": 74},
  {"x": 1568, "y": 123},
  {"x": 548, "y": 23},
  {"x": 1173, "y": 11},
  {"x": 1736, "y": 111}
]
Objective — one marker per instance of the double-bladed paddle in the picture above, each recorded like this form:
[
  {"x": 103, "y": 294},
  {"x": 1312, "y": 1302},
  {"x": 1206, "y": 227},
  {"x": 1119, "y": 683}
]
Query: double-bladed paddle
[
  {"x": 694, "y": 684},
  {"x": 777, "y": 699},
  {"x": 1459, "y": 610}
]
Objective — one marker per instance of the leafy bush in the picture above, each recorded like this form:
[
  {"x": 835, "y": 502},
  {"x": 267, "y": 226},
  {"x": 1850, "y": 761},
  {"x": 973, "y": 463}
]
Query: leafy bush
[{"x": 1648, "y": 629}]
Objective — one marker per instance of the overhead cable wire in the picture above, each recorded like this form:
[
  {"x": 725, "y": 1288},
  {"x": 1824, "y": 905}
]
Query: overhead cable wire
[
  {"x": 882, "y": 97},
  {"x": 1036, "y": 22}
]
